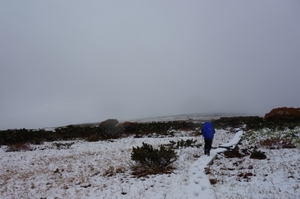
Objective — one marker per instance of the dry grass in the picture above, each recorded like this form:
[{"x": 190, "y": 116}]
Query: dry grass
[
  {"x": 141, "y": 171},
  {"x": 18, "y": 147},
  {"x": 277, "y": 143}
]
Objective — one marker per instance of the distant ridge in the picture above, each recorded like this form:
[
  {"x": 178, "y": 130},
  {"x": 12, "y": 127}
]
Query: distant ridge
[
  {"x": 188, "y": 117},
  {"x": 182, "y": 117}
]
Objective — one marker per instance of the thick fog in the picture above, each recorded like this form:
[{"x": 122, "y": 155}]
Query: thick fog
[{"x": 68, "y": 62}]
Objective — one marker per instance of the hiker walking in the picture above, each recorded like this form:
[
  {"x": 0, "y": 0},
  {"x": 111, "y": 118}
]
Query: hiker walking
[{"x": 208, "y": 133}]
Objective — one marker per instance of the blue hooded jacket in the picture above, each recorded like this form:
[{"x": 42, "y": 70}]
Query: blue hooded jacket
[{"x": 208, "y": 130}]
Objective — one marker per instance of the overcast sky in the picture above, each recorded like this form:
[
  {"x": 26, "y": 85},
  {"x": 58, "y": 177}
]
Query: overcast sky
[{"x": 68, "y": 62}]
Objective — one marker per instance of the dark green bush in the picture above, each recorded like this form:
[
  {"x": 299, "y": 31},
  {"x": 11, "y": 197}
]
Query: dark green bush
[
  {"x": 258, "y": 155},
  {"x": 159, "y": 128},
  {"x": 155, "y": 159},
  {"x": 256, "y": 122},
  {"x": 252, "y": 122}
]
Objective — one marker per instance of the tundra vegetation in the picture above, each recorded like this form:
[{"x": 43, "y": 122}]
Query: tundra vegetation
[
  {"x": 277, "y": 129},
  {"x": 94, "y": 158}
]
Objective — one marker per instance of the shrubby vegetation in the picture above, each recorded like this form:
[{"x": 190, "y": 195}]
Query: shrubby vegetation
[
  {"x": 268, "y": 138},
  {"x": 250, "y": 122},
  {"x": 108, "y": 129},
  {"x": 159, "y": 128},
  {"x": 61, "y": 145},
  {"x": 151, "y": 160},
  {"x": 276, "y": 130},
  {"x": 278, "y": 119},
  {"x": 256, "y": 154},
  {"x": 183, "y": 144},
  {"x": 38, "y": 136}
]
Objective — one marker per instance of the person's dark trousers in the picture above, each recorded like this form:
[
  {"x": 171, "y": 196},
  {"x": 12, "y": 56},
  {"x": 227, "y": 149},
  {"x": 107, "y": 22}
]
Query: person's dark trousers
[{"x": 207, "y": 146}]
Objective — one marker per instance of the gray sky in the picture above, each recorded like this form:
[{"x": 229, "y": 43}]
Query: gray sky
[{"x": 67, "y": 62}]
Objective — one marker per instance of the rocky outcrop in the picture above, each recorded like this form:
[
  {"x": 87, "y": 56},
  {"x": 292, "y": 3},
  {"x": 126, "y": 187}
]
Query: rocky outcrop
[{"x": 284, "y": 114}]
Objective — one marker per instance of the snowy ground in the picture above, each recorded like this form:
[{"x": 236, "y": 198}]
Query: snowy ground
[{"x": 102, "y": 170}]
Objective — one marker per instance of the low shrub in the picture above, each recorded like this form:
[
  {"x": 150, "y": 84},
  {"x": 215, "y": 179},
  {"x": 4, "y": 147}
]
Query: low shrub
[
  {"x": 159, "y": 128},
  {"x": 183, "y": 144},
  {"x": 213, "y": 181},
  {"x": 153, "y": 160},
  {"x": 61, "y": 145},
  {"x": 258, "y": 155},
  {"x": 113, "y": 134},
  {"x": 252, "y": 122}
]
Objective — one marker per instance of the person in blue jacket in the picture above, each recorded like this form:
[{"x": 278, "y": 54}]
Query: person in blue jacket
[{"x": 208, "y": 133}]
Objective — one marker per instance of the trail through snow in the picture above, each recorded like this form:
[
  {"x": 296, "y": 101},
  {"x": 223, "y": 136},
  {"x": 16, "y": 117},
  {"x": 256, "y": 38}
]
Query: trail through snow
[{"x": 199, "y": 186}]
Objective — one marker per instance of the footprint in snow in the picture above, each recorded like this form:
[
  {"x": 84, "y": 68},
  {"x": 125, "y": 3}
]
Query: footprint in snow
[
  {"x": 196, "y": 181},
  {"x": 199, "y": 177},
  {"x": 203, "y": 187},
  {"x": 196, "y": 193}
]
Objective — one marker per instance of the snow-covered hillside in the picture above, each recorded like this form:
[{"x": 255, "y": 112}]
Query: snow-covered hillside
[{"x": 80, "y": 169}]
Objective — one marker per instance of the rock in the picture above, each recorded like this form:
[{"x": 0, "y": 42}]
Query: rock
[
  {"x": 213, "y": 181},
  {"x": 283, "y": 113}
]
